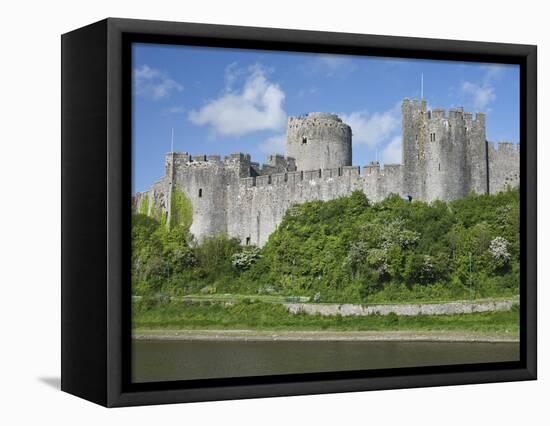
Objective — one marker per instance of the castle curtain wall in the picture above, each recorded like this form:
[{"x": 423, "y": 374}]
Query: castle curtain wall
[{"x": 445, "y": 157}]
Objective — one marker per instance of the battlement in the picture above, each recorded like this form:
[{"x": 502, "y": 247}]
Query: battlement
[
  {"x": 419, "y": 104},
  {"x": 317, "y": 119},
  {"x": 314, "y": 116},
  {"x": 181, "y": 156},
  {"x": 237, "y": 162},
  {"x": 295, "y": 177},
  {"x": 239, "y": 157},
  {"x": 184, "y": 158},
  {"x": 457, "y": 113},
  {"x": 437, "y": 113},
  {"x": 276, "y": 159},
  {"x": 480, "y": 117},
  {"x": 503, "y": 147},
  {"x": 280, "y": 161},
  {"x": 374, "y": 168}
]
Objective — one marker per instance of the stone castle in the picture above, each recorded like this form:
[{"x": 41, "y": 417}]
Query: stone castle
[{"x": 445, "y": 156}]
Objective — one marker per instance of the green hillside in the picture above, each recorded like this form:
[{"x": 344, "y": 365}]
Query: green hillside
[{"x": 344, "y": 250}]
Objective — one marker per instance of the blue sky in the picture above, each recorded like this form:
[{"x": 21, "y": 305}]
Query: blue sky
[{"x": 220, "y": 101}]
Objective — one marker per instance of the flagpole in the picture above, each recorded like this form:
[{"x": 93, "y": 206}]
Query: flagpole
[{"x": 172, "y": 145}]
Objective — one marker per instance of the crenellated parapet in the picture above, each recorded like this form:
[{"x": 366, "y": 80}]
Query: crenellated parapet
[
  {"x": 293, "y": 178},
  {"x": 379, "y": 182},
  {"x": 504, "y": 148},
  {"x": 275, "y": 164},
  {"x": 239, "y": 162},
  {"x": 454, "y": 116}
]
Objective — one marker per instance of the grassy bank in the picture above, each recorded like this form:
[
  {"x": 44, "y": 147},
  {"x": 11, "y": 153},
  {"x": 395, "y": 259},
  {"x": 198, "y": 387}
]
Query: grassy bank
[{"x": 249, "y": 315}]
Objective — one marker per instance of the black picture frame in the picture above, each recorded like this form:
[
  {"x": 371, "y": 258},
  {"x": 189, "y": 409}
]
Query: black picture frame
[{"x": 96, "y": 178}]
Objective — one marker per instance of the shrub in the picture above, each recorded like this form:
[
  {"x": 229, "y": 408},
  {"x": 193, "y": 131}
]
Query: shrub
[
  {"x": 499, "y": 250},
  {"x": 245, "y": 259}
]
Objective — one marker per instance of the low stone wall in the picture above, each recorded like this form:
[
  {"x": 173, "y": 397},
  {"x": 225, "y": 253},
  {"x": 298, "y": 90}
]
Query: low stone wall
[{"x": 448, "y": 308}]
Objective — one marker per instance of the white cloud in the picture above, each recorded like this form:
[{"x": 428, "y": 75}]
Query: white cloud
[
  {"x": 392, "y": 151},
  {"x": 153, "y": 83},
  {"x": 232, "y": 73},
  {"x": 258, "y": 106},
  {"x": 482, "y": 95},
  {"x": 493, "y": 71},
  {"x": 274, "y": 145},
  {"x": 373, "y": 129},
  {"x": 330, "y": 65}
]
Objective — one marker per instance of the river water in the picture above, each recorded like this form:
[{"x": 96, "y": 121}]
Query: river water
[{"x": 157, "y": 360}]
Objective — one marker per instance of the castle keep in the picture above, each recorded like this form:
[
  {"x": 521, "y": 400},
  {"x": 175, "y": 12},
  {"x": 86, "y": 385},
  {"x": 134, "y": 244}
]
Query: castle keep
[{"x": 445, "y": 157}]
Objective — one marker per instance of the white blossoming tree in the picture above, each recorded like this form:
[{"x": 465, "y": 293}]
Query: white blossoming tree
[{"x": 499, "y": 251}]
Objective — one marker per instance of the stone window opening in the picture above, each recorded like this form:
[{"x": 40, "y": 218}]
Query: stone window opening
[
  {"x": 247, "y": 241},
  {"x": 200, "y": 192},
  {"x": 439, "y": 166},
  {"x": 304, "y": 140}
]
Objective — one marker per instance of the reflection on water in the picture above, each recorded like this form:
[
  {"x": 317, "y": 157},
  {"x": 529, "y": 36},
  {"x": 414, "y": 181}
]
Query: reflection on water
[{"x": 155, "y": 360}]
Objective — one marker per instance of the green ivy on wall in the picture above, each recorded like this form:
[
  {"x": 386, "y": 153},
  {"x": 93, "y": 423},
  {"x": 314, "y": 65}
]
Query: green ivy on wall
[
  {"x": 144, "y": 207},
  {"x": 181, "y": 211}
]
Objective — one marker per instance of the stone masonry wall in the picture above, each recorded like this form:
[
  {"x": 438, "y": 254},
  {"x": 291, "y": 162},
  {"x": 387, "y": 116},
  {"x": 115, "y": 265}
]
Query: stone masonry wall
[
  {"x": 256, "y": 208},
  {"x": 503, "y": 166},
  {"x": 449, "y": 308}
]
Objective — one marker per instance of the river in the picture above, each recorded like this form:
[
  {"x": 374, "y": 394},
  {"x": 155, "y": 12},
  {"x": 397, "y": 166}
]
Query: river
[{"x": 159, "y": 360}]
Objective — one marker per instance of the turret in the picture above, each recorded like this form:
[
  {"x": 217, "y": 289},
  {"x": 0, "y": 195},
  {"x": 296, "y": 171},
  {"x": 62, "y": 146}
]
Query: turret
[
  {"x": 319, "y": 140},
  {"x": 444, "y": 153},
  {"x": 415, "y": 137}
]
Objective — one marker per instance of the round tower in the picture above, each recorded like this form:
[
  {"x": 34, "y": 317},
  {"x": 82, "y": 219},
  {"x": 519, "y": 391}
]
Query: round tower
[{"x": 319, "y": 140}]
